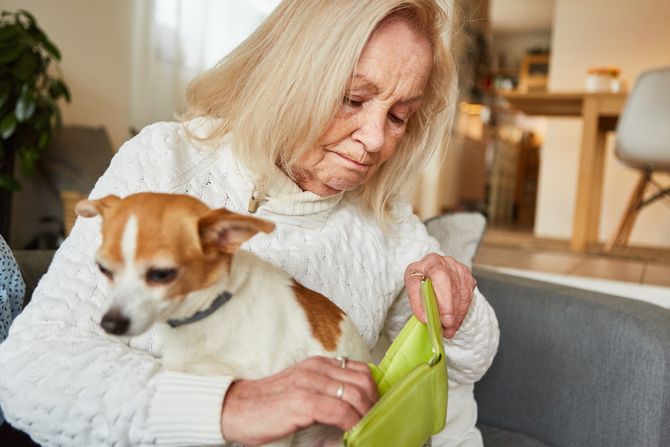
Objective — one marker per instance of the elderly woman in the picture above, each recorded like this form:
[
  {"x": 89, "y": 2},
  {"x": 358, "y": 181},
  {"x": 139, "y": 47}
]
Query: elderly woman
[{"x": 314, "y": 122}]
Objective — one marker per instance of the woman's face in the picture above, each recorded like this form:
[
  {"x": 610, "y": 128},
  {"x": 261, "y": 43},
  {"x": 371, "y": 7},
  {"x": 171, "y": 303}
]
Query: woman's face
[{"x": 386, "y": 90}]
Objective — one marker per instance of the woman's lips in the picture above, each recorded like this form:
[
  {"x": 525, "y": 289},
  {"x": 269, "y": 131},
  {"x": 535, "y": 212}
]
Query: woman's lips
[{"x": 353, "y": 164}]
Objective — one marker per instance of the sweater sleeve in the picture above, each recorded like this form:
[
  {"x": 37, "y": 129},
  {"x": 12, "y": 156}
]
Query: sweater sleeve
[
  {"x": 472, "y": 349},
  {"x": 64, "y": 381}
]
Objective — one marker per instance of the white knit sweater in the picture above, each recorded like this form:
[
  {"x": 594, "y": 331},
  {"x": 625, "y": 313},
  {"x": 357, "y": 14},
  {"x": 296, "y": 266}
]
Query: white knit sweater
[{"x": 67, "y": 383}]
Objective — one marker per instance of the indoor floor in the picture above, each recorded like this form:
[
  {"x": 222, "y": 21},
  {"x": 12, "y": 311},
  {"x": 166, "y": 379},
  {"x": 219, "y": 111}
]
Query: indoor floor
[{"x": 520, "y": 250}]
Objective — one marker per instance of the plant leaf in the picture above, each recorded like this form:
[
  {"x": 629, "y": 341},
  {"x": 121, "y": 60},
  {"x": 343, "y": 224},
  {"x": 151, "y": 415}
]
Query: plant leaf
[
  {"x": 43, "y": 141},
  {"x": 66, "y": 91},
  {"x": 28, "y": 157},
  {"x": 5, "y": 91},
  {"x": 9, "y": 183},
  {"x": 30, "y": 17},
  {"x": 8, "y": 32},
  {"x": 10, "y": 53},
  {"x": 25, "y": 106},
  {"x": 41, "y": 119},
  {"x": 48, "y": 45},
  {"x": 58, "y": 89},
  {"x": 7, "y": 126},
  {"x": 58, "y": 116},
  {"x": 26, "y": 66}
]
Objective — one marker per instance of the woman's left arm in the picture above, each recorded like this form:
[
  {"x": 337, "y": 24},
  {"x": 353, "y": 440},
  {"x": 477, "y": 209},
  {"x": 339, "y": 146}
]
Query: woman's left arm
[
  {"x": 454, "y": 288},
  {"x": 469, "y": 323},
  {"x": 470, "y": 326}
]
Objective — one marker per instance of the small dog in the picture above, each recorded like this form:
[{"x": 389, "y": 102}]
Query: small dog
[{"x": 172, "y": 261}]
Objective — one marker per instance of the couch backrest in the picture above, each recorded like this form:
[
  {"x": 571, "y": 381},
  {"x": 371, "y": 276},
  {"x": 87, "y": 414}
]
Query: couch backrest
[{"x": 576, "y": 368}]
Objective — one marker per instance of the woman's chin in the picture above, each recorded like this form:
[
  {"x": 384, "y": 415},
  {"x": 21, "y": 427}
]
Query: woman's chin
[
  {"x": 332, "y": 186},
  {"x": 339, "y": 185}
]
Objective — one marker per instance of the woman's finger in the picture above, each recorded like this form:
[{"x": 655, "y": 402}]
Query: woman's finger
[
  {"x": 352, "y": 394},
  {"x": 355, "y": 380},
  {"x": 414, "y": 274},
  {"x": 361, "y": 380},
  {"x": 468, "y": 287},
  {"x": 326, "y": 410},
  {"x": 444, "y": 283},
  {"x": 462, "y": 296},
  {"x": 457, "y": 294},
  {"x": 291, "y": 400},
  {"x": 453, "y": 285},
  {"x": 343, "y": 390}
]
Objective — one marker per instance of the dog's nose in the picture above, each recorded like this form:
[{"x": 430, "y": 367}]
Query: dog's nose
[{"x": 114, "y": 322}]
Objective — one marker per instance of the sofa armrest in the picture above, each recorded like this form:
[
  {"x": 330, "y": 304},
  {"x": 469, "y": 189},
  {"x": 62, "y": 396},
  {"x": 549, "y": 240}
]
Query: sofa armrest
[
  {"x": 576, "y": 367},
  {"x": 33, "y": 264}
]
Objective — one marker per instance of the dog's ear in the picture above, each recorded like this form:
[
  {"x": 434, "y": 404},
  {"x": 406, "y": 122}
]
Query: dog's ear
[
  {"x": 91, "y": 208},
  {"x": 225, "y": 231}
]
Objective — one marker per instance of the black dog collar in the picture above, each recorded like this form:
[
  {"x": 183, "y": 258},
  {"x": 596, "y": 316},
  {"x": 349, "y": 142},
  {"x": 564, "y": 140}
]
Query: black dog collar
[{"x": 202, "y": 314}]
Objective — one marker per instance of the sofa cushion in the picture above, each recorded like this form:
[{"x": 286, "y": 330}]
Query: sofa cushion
[
  {"x": 458, "y": 233},
  {"x": 498, "y": 437}
]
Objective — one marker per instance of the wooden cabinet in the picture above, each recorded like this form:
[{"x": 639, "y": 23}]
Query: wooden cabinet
[{"x": 534, "y": 73}]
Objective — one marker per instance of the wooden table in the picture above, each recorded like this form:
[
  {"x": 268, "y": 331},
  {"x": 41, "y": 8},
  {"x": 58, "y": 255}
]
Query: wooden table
[{"x": 599, "y": 112}]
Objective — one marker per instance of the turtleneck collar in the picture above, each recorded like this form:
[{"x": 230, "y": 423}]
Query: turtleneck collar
[{"x": 280, "y": 199}]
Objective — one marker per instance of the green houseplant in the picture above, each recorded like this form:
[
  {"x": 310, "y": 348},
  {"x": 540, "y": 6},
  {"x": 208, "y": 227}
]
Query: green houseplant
[{"x": 30, "y": 89}]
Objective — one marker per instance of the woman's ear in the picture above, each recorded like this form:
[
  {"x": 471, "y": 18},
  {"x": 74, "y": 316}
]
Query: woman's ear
[
  {"x": 91, "y": 208},
  {"x": 225, "y": 231}
]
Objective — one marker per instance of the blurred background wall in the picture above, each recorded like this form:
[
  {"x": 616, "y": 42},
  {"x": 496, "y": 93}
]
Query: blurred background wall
[
  {"x": 633, "y": 36},
  {"x": 94, "y": 37}
]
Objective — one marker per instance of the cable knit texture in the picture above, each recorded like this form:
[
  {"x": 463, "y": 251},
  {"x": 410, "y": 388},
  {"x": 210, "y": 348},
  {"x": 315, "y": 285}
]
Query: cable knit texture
[{"x": 67, "y": 383}]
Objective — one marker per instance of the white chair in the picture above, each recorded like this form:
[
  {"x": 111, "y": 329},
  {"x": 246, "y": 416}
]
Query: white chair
[{"x": 643, "y": 143}]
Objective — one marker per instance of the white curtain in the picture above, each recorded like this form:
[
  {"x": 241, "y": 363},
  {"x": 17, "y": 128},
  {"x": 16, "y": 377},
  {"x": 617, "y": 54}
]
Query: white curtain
[{"x": 174, "y": 40}]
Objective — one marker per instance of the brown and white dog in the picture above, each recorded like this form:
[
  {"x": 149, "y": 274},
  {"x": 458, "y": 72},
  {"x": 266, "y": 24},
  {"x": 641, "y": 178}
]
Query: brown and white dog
[{"x": 172, "y": 260}]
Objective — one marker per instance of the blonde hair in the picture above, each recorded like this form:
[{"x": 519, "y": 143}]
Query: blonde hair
[{"x": 279, "y": 90}]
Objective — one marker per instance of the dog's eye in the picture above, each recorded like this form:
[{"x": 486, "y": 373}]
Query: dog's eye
[
  {"x": 105, "y": 271},
  {"x": 161, "y": 276}
]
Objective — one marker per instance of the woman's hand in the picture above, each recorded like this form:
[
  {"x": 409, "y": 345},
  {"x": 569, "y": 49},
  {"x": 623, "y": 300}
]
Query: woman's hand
[
  {"x": 453, "y": 284},
  {"x": 261, "y": 411}
]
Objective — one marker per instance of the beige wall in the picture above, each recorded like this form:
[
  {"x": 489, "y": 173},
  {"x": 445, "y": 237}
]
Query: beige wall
[
  {"x": 94, "y": 39},
  {"x": 634, "y": 36}
]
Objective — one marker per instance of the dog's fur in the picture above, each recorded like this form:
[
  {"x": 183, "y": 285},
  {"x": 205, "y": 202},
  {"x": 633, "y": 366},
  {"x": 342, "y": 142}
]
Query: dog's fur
[{"x": 169, "y": 256}]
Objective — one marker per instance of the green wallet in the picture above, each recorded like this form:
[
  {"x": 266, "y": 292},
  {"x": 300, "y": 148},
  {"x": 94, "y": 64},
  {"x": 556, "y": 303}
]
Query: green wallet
[{"x": 412, "y": 383}]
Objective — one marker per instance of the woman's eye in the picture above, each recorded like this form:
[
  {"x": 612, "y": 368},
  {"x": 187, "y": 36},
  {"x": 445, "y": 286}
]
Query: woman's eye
[
  {"x": 105, "y": 271},
  {"x": 396, "y": 119},
  {"x": 161, "y": 276},
  {"x": 353, "y": 102}
]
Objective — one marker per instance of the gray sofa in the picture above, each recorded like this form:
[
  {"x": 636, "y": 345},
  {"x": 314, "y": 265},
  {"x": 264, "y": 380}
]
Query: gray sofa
[{"x": 574, "y": 368}]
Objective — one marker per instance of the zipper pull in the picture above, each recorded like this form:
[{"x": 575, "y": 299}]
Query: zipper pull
[{"x": 254, "y": 203}]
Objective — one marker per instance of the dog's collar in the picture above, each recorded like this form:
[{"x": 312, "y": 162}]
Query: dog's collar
[{"x": 202, "y": 314}]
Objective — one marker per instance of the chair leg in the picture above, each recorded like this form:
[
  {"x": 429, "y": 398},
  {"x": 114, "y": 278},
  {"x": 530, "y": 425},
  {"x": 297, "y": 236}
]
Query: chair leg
[{"x": 625, "y": 227}]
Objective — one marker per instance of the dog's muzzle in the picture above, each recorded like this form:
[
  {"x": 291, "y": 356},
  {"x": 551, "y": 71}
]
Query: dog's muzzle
[{"x": 114, "y": 322}]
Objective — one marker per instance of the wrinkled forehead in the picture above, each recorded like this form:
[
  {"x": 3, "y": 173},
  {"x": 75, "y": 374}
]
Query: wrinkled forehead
[{"x": 397, "y": 57}]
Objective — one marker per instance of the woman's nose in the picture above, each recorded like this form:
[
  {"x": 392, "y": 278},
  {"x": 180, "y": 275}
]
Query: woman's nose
[{"x": 371, "y": 128}]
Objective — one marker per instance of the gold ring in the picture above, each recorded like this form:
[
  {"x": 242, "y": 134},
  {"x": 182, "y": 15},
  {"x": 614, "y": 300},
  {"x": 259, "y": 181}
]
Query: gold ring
[
  {"x": 423, "y": 277},
  {"x": 340, "y": 391},
  {"x": 343, "y": 361}
]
